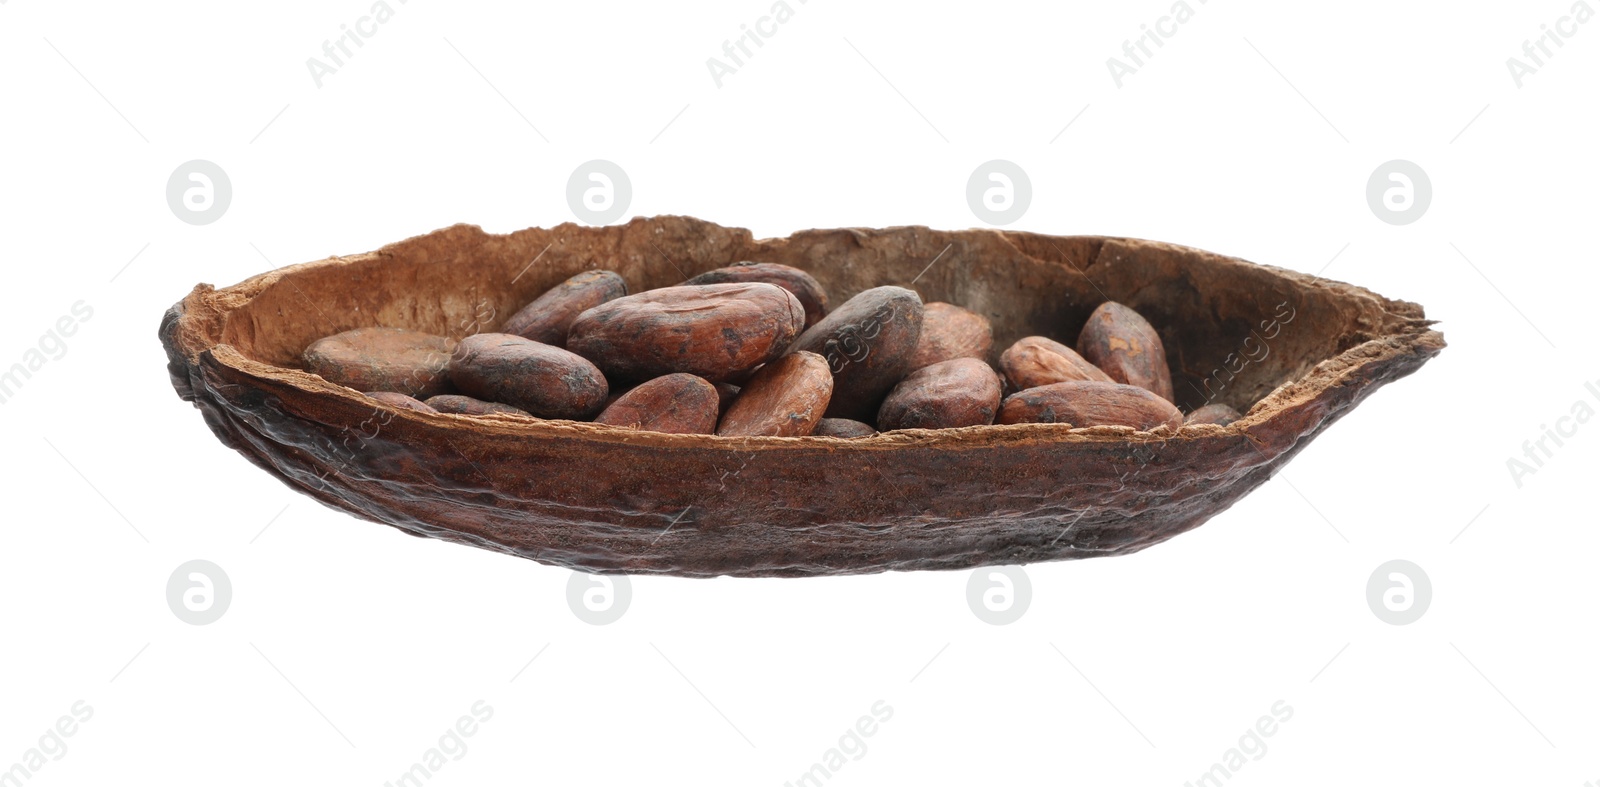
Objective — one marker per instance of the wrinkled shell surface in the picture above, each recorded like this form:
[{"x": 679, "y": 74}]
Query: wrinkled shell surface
[{"x": 600, "y": 499}]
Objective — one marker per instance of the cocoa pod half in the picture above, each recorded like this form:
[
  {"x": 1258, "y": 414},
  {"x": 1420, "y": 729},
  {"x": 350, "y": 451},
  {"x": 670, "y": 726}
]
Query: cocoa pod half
[
  {"x": 1089, "y": 403},
  {"x": 1034, "y": 361},
  {"x": 842, "y": 427},
  {"x": 1217, "y": 413},
  {"x": 383, "y": 359},
  {"x": 673, "y": 403},
  {"x": 950, "y": 332},
  {"x": 548, "y": 318},
  {"x": 1127, "y": 348},
  {"x": 715, "y": 331},
  {"x": 785, "y": 399},
  {"x": 803, "y": 286},
  {"x": 545, "y": 381},
  {"x": 466, "y": 405},
  {"x": 867, "y": 342},
  {"x": 946, "y": 395},
  {"x": 401, "y": 401}
]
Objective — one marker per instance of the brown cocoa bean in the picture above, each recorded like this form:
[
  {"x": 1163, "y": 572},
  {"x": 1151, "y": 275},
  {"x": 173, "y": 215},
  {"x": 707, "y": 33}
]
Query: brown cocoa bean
[
  {"x": 548, "y": 318},
  {"x": 802, "y": 285},
  {"x": 1034, "y": 361},
  {"x": 867, "y": 342},
  {"x": 1089, "y": 403},
  {"x": 785, "y": 399},
  {"x": 725, "y": 395},
  {"x": 950, "y": 332},
  {"x": 1127, "y": 348},
  {"x": 466, "y": 405},
  {"x": 715, "y": 331},
  {"x": 674, "y": 403},
  {"x": 1217, "y": 413},
  {"x": 383, "y": 359},
  {"x": 946, "y": 395},
  {"x": 843, "y": 428},
  {"x": 545, "y": 381},
  {"x": 401, "y": 401}
]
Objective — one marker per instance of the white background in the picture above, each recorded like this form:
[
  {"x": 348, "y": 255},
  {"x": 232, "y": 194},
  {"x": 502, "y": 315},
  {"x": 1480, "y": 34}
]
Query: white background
[{"x": 350, "y": 648}]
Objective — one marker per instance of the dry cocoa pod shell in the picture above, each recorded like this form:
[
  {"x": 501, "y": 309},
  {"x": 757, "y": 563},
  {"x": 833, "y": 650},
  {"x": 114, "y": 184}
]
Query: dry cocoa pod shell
[
  {"x": 673, "y": 404},
  {"x": 867, "y": 342},
  {"x": 1127, "y": 348},
  {"x": 1215, "y": 413},
  {"x": 1084, "y": 403},
  {"x": 803, "y": 286},
  {"x": 597, "y": 499},
  {"x": 946, "y": 395},
  {"x": 383, "y": 359},
  {"x": 544, "y": 381},
  {"x": 1035, "y": 360},
  {"x": 715, "y": 331},
  {"x": 402, "y": 401},
  {"x": 950, "y": 332},
  {"x": 548, "y": 318},
  {"x": 842, "y": 427},
  {"x": 785, "y": 399},
  {"x": 466, "y": 405}
]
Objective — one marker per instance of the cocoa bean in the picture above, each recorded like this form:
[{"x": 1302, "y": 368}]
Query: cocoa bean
[
  {"x": 1089, "y": 403},
  {"x": 401, "y": 401},
  {"x": 802, "y": 285},
  {"x": 1034, "y": 361},
  {"x": 1217, "y": 413},
  {"x": 725, "y": 395},
  {"x": 715, "y": 331},
  {"x": 867, "y": 342},
  {"x": 950, "y": 332},
  {"x": 548, "y": 318},
  {"x": 1126, "y": 348},
  {"x": 545, "y": 381},
  {"x": 466, "y": 405},
  {"x": 843, "y": 428},
  {"x": 946, "y": 395},
  {"x": 673, "y": 403},
  {"x": 785, "y": 399},
  {"x": 383, "y": 359}
]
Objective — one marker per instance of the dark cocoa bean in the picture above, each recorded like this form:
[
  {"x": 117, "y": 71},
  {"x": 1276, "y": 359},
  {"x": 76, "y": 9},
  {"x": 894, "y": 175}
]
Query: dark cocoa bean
[
  {"x": 383, "y": 359},
  {"x": 1217, "y": 413},
  {"x": 725, "y": 395},
  {"x": 842, "y": 427},
  {"x": 946, "y": 395},
  {"x": 715, "y": 331},
  {"x": 548, "y": 318},
  {"x": 401, "y": 401},
  {"x": 950, "y": 332},
  {"x": 785, "y": 399},
  {"x": 466, "y": 405},
  {"x": 1034, "y": 361},
  {"x": 674, "y": 403},
  {"x": 545, "y": 381},
  {"x": 1090, "y": 403},
  {"x": 867, "y": 342},
  {"x": 802, "y": 285},
  {"x": 1126, "y": 348}
]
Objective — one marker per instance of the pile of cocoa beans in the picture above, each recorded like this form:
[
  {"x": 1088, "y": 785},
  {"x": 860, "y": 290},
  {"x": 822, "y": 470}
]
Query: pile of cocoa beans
[{"x": 753, "y": 349}]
